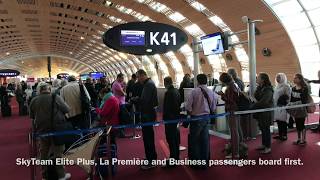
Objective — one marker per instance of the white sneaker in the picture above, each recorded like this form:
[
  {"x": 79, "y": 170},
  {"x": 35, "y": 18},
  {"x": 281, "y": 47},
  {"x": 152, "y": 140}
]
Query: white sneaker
[
  {"x": 182, "y": 148},
  {"x": 266, "y": 151},
  {"x": 66, "y": 176},
  {"x": 147, "y": 167}
]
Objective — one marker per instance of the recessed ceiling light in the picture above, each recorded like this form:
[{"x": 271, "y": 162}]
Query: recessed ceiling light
[
  {"x": 7, "y": 53},
  {"x": 70, "y": 52},
  {"x": 82, "y": 38},
  {"x": 149, "y": 50}
]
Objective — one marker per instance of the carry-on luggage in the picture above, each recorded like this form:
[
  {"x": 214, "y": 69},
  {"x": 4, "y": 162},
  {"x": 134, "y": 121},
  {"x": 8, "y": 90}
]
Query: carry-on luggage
[{"x": 103, "y": 170}]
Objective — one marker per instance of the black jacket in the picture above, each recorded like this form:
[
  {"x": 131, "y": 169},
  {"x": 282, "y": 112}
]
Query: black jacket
[
  {"x": 171, "y": 104},
  {"x": 93, "y": 94},
  {"x": 149, "y": 99},
  {"x": 264, "y": 97}
]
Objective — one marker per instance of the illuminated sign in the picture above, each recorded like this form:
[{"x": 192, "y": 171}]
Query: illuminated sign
[
  {"x": 9, "y": 73},
  {"x": 145, "y": 38}
]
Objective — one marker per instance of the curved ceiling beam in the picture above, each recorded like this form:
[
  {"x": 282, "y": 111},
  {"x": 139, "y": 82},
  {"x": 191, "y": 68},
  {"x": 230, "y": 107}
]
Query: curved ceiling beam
[{"x": 14, "y": 59}]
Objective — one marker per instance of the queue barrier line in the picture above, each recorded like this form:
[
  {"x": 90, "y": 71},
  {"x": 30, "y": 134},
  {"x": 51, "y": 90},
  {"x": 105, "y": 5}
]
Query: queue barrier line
[
  {"x": 181, "y": 120},
  {"x": 274, "y": 108}
]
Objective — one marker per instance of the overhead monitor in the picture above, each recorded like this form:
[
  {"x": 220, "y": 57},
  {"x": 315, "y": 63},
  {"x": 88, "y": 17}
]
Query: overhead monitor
[
  {"x": 63, "y": 75},
  {"x": 97, "y": 75},
  {"x": 212, "y": 44},
  {"x": 132, "y": 38},
  {"x": 84, "y": 77}
]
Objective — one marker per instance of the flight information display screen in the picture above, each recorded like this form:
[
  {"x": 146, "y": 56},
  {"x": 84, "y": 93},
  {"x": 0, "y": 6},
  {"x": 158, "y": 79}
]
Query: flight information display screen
[
  {"x": 212, "y": 44},
  {"x": 132, "y": 38},
  {"x": 96, "y": 75}
]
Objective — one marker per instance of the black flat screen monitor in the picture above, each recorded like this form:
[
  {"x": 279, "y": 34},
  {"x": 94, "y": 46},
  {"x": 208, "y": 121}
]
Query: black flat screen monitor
[{"x": 212, "y": 44}]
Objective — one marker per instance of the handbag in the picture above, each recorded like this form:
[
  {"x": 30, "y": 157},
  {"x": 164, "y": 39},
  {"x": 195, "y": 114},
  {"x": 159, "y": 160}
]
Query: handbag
[
  {"x": 62, "y": 126},
  {"x": 311, "y": 108},
  {"x": 212, "y": 120},
  {"x": 300, "y": 112}
]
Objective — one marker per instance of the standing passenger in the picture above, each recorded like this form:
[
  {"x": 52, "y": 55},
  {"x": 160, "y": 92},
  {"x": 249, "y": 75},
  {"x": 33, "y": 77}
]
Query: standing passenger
[
  {"x": 41, "y": 112},
  {"x": 281, "y": 97},
  {"x": 148, "y": 103},
  {"x": 198, "y": 107},
  {"x": 299, "y": 95},
  {"x": 317, "y": 129},
  {"x": 230, "y": 98},
  {"x": 171, "y": 111},
  {"x": 264, "y": 97},
  {"x": 72, "y": 96}
]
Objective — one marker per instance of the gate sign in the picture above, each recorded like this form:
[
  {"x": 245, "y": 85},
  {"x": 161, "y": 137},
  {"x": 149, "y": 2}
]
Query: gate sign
[
  {"x": 145, "y": 38},
  {"x": 9, "y": 73}
]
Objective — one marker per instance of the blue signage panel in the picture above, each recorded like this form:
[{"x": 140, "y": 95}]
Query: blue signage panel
[
  {"x": 132, "y": 38},
  {"x": 97, "y": 75}
]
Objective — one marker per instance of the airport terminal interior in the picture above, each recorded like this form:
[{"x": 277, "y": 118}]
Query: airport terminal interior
[{"x": 159, "y": 89}]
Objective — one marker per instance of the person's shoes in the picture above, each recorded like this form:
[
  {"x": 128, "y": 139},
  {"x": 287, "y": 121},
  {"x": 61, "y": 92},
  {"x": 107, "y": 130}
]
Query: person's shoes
[
  {"x": 302, "y": 143},
  {"x": 277, "y": 137},
  {"x": 147, "y": 167},
  {"x": 167, "y": 165},
  {"x": 260, "y": 148},
  {"x": 182, "y": 148},
  {"x": 297, "y": 142},
  {"x": 229, "y": 156},
  {"x": 316, "y": 129},
  {"x": 266, "y": 151},
  {"x": 66, "y": 176}
]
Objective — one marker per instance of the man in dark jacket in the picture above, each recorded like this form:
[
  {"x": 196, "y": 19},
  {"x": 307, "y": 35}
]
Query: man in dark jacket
[
  {"x": 148, "y": 102},
  {"x": 171, "y": 111},
  {"x": 130, "y": 87},
  {"x": 237, "y": 80},
  {"x": 92, "y": 92}
]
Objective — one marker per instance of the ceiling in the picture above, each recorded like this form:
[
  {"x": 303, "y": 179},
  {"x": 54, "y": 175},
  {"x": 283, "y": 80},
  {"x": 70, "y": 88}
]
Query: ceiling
[
  {"x": 71, "y": 30},
  {"x": 37, "y": 66}
]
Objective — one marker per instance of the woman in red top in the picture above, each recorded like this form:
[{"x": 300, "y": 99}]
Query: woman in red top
[{"x": 109, "y": 111}]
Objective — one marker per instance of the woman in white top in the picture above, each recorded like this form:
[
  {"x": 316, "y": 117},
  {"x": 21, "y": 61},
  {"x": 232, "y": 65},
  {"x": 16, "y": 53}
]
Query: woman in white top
[{"x": 281, "y": 97}]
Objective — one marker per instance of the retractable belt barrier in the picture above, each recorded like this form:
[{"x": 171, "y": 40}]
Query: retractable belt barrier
[{"x": 199, "y": 118}]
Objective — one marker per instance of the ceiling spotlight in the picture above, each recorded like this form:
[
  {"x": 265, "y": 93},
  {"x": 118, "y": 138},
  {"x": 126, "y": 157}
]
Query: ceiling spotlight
[
  {"x": 7, "y": 53},
  {"x": 82, "y": 38},
  {"x": 70, "y": 52},
  {"x": 149, "y": 50}
]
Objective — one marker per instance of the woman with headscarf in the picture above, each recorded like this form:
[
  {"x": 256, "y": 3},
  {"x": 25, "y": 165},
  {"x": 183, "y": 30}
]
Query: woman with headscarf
[{"x": 281, "y": 97}]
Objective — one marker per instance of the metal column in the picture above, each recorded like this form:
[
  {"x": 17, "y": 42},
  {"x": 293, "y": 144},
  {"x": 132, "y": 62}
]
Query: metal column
[
  {"x": 195, "y": 50},
  {"x": 252, "y": 56}
]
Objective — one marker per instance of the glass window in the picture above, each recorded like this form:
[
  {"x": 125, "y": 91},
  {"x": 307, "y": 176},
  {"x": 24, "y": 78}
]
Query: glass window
[{"x": 314, "y": 16}]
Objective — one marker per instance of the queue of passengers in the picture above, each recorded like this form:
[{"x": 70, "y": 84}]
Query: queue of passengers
[{"x": 110, "y": 100}]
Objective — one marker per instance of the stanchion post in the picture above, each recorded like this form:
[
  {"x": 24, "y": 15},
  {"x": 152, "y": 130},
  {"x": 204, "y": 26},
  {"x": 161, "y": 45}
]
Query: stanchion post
[{"x": 134, "y": 136}]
